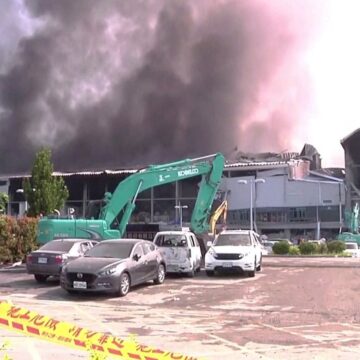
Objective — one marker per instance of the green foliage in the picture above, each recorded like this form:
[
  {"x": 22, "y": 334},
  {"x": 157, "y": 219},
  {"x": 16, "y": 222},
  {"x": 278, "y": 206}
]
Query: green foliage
[
  {"x": 17, "y": 238},
  {"x": 281, "y": 248},
  {"x": 336, "y": 246},
  {"x": 307, "y": 248},
  {"x": 4, "y": 199},
  {"x": 322, "y": 248},
  {"x": 4, "y": 347},
  {"x": 44, "y": 192},
  {"x": 294, "y": 250}
]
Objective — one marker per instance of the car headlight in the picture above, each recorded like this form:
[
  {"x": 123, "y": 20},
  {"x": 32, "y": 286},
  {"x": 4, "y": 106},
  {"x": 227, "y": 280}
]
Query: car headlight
[
  {"x": 108, "y": 272},
  {"x": 212, "y": 253},
  {"x": 244, "y": 255}
]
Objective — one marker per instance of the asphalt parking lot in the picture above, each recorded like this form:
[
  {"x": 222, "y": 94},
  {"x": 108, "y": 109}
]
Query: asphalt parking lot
[{"x": 294, "y": 308}]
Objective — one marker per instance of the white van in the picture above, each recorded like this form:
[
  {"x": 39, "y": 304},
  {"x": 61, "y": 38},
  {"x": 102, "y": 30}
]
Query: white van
[{"x": 181, "y": 251}]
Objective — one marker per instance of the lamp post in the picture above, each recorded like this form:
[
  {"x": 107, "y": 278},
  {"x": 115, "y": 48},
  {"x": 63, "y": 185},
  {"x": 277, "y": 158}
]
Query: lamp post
[
  {"x": 251, "y": 182},
  {"x": 180, "y": 207},
  {"x": 21, "y": 191}
]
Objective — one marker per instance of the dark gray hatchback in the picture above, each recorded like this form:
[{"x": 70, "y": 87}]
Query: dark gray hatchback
[
  {"x": 51, "y": 257},
  {"x": 114, "y": 266}
]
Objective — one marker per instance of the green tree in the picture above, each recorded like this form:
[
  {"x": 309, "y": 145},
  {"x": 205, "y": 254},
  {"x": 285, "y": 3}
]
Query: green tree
[
  {"x": 3, "y": 202},
  {"x": 43, "y": 191}
]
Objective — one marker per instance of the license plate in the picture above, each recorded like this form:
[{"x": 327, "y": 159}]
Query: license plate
[
  {"x": 42, "y": 260},
  {"x": 79, "y": 284},
  {"x": 173, "y": 267},
  {"x": 227, "y": 264}
]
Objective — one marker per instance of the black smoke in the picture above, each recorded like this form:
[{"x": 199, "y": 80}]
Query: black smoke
[{"x": 121, "y": 83}]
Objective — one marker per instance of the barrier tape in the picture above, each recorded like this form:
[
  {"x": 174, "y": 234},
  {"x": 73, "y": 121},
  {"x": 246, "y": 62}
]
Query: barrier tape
[{"x": 44, "y": 327}]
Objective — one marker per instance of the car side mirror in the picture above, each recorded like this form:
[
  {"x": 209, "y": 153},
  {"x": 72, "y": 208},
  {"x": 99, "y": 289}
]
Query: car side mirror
[{"x": 136, "y": 257}]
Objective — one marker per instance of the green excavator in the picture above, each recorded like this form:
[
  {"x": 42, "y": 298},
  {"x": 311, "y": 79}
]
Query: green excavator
[
  {"x": 119, "y": 205},
  {"x": 352, "y": 223}
]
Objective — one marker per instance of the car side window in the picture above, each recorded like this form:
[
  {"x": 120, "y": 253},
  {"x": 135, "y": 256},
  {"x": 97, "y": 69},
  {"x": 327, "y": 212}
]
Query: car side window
[
  {"x": 138, "y": 251},
  {"x": 196, "y": 242},
  {"x": 85, "y": 246},
  {"x": 147, "y": 248},
  {"x": 192, "y": 241},
  {"x": 75, "y": 250}
]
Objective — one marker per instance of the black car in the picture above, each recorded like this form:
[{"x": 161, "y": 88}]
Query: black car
[
  {"x": 114, "y": 266},
  {"x": 51, "y": 257}
]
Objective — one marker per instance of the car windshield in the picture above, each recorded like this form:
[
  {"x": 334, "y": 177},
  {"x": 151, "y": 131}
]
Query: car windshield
[
  {"x": 351, "y": 246},
  {"x": 111, "y": 250},
  {"x": 233, "y": 239},
  {"x": 58, "y": 245},
  {"x": 171, "y": 241}
]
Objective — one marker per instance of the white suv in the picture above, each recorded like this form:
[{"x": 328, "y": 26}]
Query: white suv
[{"x": 234, "y": 250}]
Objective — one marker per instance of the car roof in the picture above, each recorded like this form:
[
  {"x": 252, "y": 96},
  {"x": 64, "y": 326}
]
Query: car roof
[
  {"x": 124, "y": 240},
  {"x": 74, "y": 240},
  {"x": 236, "y": 232}
]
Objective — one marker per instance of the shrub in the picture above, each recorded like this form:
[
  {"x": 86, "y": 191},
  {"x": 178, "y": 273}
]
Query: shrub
[
  {"x": 294, "y": 250},
  {"x": 336, "y": 246},
  {"x": 307, "y": 248},
  {"x": 281, "y": 248},
  {"x": 322, "y": 248},
  {"x": 17, "y": 238}
]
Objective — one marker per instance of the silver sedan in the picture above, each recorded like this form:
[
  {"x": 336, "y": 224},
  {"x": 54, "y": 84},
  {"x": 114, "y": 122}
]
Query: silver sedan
[{"x": 51, "y": 257}]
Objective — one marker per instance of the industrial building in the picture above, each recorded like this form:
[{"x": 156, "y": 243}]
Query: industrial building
[
  {"x": 288, "y": 195},
  {"x": 351, "y": 145}
]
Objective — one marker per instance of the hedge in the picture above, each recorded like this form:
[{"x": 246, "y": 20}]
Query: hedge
[
  {"x": 336, "y": 246},
  {"x": 17, "y": 238},
  {"x": 281, "y": 248}
]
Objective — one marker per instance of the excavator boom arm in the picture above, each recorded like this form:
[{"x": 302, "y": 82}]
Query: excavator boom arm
[{"x": 124, "y": 196}]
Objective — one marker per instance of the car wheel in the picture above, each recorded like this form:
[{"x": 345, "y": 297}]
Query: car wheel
[
  {"x": 124, "y": 284},
  {"x": 260, "y": 265},
  {"x": 160, "y": 277},
  {"x": 191, "y": 273},
  {"x": 210, "y": 273},
  {"x": 40, "y": 278},
  {"x": 70, "y": 291},
  {"x": 252, "y": 273}
]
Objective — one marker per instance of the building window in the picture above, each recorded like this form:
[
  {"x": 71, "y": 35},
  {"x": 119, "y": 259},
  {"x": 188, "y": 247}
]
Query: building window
[{"x": 297, "y": 214}]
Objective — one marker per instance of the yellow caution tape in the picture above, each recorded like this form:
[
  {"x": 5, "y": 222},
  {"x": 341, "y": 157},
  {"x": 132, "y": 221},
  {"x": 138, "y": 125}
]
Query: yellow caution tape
[{"x": 33, "y": 324}]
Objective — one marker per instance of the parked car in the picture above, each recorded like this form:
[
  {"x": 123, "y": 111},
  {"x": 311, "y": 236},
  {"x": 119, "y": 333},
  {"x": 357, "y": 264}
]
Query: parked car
[
  {"x": 114, "y": 266},
  {"x": 267, "y": 247},
  {"x": 50, "y": 258},
  {"x": 352, "y": 248},
  {"x": 181, "y": 251},
  {"x": 234, "y": 250}
]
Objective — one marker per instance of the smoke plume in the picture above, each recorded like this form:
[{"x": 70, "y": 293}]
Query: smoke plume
[{"x": 121, "y": 83}]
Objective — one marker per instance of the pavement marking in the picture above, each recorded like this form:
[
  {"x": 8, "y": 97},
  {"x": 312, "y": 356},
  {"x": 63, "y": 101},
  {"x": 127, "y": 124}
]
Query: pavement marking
[
  {"x": 32, "y": 349},
  {"x": 218, "y": 338},
  {"x": 93, "y": 318}
]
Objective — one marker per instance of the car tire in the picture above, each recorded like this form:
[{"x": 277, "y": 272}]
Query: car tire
[
  {"x": 160, "y": 276},
  {"x": 260, "y": 265},
  {"x": 124, "y": 285},
  {"x": 40, "y": 278},
  {"x": 191, "y": 273},
  {"x": 70, "y": 291},
  {"x": 210, "y": 272},
  {"x": 252, "y": 273}
]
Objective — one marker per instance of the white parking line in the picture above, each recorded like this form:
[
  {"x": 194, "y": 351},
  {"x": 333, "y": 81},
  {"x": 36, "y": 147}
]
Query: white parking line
[
  {"x": 32, "y": 350},
  {"x": 219, "y": 338}
]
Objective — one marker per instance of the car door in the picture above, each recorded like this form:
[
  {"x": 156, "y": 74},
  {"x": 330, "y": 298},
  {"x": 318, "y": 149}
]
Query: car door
[
  {"x": 197, "y": 252},
  {"x": 150, "y": 261},
  {"x": 138, "y": 267},
  {"x": 257, "y": 247}
]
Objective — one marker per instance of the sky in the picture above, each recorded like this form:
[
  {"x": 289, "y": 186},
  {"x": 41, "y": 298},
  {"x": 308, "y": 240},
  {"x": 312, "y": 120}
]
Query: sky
[{"x": 122, "y": 83}]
